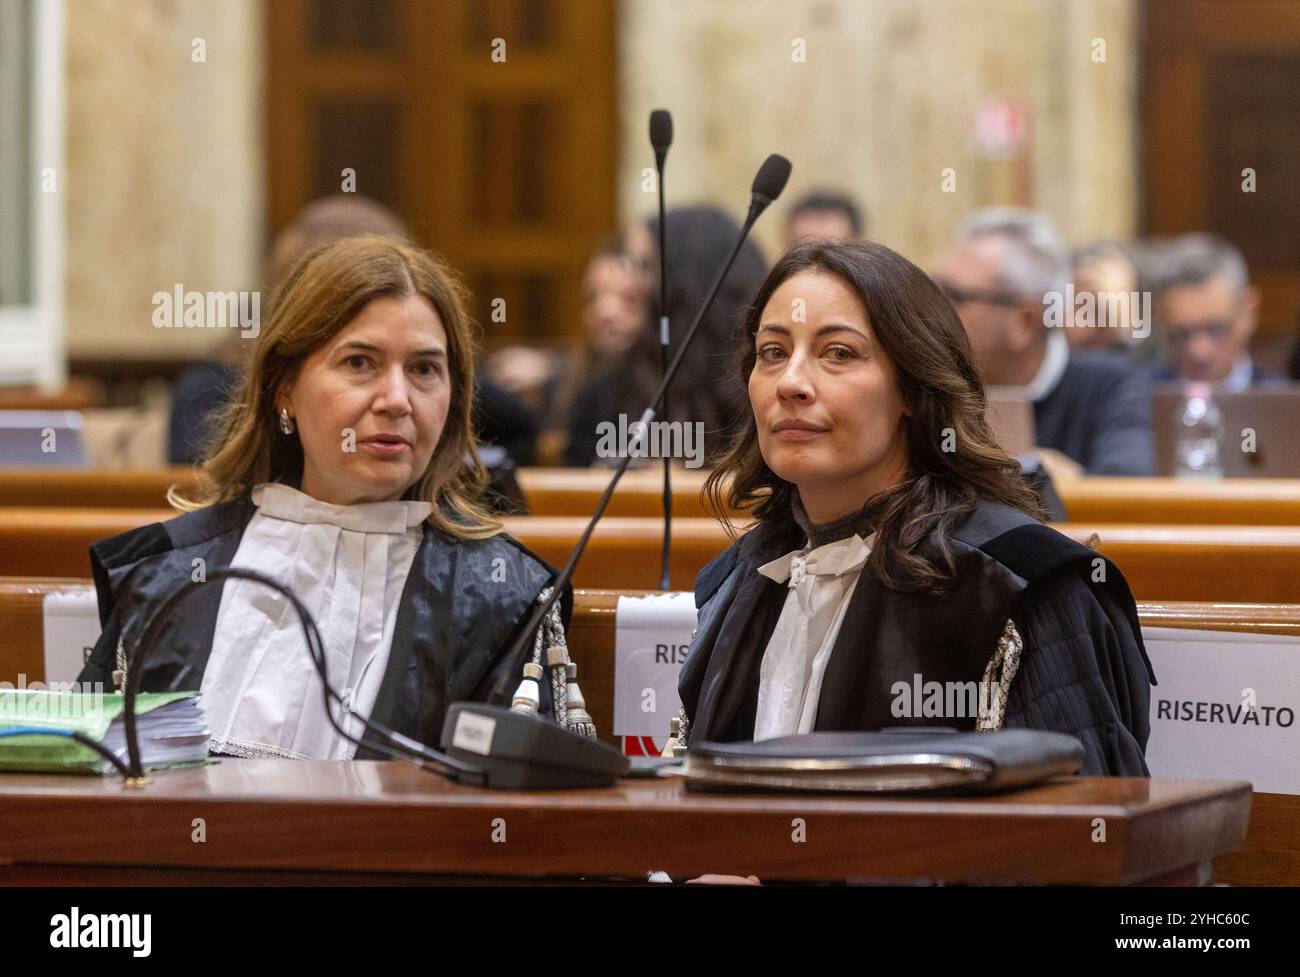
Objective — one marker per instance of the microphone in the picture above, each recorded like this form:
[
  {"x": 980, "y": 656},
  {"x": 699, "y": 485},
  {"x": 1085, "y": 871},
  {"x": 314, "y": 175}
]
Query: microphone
[
  {"x": 661, "y": 137},
  {"x": 661, "y": 134},
  {"x": 517, "y": 750}
]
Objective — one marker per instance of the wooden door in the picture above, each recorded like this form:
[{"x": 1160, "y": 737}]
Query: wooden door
[
  {"x": 489, "y": 125},
  {"x": 1221, "y": 95}
]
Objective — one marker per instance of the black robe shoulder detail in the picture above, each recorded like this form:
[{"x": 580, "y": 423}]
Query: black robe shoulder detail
[
  {"x": 1008, "y": 566},
  {"x": 463, "y": 603}
]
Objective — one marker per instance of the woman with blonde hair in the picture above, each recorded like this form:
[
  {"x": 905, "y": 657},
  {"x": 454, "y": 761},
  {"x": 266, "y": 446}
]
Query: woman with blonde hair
[{"x": 346, "y": 468}]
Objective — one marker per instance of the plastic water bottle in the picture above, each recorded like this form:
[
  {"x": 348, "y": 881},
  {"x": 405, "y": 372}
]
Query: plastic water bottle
[{"x": 1196, "y": 442}]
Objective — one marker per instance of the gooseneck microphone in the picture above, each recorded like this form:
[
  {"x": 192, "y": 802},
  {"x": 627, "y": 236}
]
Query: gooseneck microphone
[
  {"x": 768, "y": 184},
  {"x": 661, "y": 137}
]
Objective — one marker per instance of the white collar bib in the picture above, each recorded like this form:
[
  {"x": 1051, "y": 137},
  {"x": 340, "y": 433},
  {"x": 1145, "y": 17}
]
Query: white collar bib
[{"x": 285, "y": 502}]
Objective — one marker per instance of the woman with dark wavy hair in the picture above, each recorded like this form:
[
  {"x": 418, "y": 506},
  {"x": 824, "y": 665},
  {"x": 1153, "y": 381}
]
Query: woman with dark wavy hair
[{"x": 898, "y": 562}]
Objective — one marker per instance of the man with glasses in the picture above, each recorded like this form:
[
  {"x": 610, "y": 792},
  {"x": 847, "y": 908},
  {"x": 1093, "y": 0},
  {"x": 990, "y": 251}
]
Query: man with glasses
[
  {"x": 1005, "y": 271},
  {"x": 1205, "y": 313}
]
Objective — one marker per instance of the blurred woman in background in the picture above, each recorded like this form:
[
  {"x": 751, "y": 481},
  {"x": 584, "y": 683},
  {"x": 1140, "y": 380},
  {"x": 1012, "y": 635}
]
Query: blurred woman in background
[{"x": 705, "y": 391}]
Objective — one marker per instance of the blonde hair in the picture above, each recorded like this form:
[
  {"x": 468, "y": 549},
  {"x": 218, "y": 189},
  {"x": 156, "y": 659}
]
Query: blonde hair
[{"x": 326, "y": 290}]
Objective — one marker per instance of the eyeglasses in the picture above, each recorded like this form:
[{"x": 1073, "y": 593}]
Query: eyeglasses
[
  {"x": 1181, "y": 335},
  {"x": 962, "y": 296}
]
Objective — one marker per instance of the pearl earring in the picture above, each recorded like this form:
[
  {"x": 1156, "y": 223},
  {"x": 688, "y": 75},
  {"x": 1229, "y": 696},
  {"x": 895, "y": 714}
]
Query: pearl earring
[{"x": 286, "y": 422}]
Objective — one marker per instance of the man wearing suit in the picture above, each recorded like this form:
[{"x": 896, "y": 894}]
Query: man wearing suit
[
  {"x": 1206, "y": 312},
  {"x": 1005, "y": 269}
]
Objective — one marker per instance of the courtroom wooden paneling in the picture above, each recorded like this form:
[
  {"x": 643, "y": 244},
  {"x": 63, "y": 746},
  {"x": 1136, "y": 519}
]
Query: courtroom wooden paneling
[
  {"x": 55, "y": 542},
  {"x": 1250, "y": 564},
  {"x": 1209, "y": 502},
  {"x": 1217, "y": 99},
  {"x": 366, "y": 816},
  {"x": 575, "y": 492},
  {"x": 1093, "y": 499},
  {"x": 93, "y": 489},
  {"x": 505, "y": 166}
]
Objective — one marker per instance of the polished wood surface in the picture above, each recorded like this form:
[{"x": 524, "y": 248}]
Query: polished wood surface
[
  {"x": 1237, "y": 564},
  {"x": 1222, "y": 502},
  {"x": 1093, "y": 499},
  {"x": 575, "y": 492},
  {"x": 79, "y": 393},
  {"x": 366, "y": 816},
  {"x": 1271, "y": 854},
  {"x": 146, "y": 489},
  {"x": 55, "y": 542}
]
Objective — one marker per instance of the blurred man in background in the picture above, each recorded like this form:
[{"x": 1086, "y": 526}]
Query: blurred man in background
[
  {"x": 1003, "y": 271},
  {"x": 1105, "y": 270},
  {"x": 1206, "y": 313},
  {"x": 824, "y": 216}
]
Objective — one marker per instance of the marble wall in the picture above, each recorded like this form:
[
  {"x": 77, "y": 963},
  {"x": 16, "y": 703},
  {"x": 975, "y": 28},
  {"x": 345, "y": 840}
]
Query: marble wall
[
  {"x": 165, "y": 156},
  {"x": 164, "y": 160},
  {"x": 882, "y": 102}
]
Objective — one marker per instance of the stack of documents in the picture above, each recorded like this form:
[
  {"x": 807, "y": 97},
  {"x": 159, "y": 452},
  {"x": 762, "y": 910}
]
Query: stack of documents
[{"x": 170, "y": 727}]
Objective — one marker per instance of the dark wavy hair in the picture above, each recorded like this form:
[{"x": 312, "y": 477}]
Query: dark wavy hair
[{"x": 919, "y": 329}]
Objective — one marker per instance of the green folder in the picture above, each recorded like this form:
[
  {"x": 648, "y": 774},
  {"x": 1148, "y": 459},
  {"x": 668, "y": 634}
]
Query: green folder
[{"x": 170, "y": 728}]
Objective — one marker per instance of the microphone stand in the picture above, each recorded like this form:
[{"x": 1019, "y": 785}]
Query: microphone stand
[
  {"x": 657, "y": 134},
  {"x": 768, "y": 184}
]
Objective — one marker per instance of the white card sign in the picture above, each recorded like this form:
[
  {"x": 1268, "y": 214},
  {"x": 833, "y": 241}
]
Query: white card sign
[
  {"x": 71, "y": 630},
  {"x": 652, "y": 635},
  {"x": 1225, "y": 707}
]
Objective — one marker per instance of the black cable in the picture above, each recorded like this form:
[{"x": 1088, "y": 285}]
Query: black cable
[
  {"x": 393, "y": 744},
  {"x": 73, "y": 734}
]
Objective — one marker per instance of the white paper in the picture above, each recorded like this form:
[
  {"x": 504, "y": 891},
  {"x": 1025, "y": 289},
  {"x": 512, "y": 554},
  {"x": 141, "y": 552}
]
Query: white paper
[
  {"x": 651, "y": 637},
  {"x": 71, "y": 630},
  {"x": 1201, "y": 670}
]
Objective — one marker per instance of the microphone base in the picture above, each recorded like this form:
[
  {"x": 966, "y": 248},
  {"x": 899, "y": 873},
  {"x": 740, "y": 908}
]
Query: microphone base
[{"x": 520, "y": 752}]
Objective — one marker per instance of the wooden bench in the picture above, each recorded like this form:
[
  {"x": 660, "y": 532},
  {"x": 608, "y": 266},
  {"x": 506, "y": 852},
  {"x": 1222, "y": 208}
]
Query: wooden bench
[
  {"x": 145, "y": 489},
  {"x": 575, "y": 492},
  {"x": 1225, "y": 502},
  {"x": 1270, "y": 856},
  {"x": 1235, "y": 564}
]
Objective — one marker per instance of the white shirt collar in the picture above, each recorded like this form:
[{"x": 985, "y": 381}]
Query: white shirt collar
[
  {"x": 834, "y": 558},
  {"x": 1055, "y": 360},
  {"x": 279, "y": 501},
  {"x": 794, "y": 663}
]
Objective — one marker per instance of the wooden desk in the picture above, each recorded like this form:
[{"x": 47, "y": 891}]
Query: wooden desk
[{"x": 273, "y": 816}]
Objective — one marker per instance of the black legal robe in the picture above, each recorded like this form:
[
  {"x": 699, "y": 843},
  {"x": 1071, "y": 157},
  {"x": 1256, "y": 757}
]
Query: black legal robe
[
  {"x": 1083, "y": 669},
  {"x": 462, "y": 604}
]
